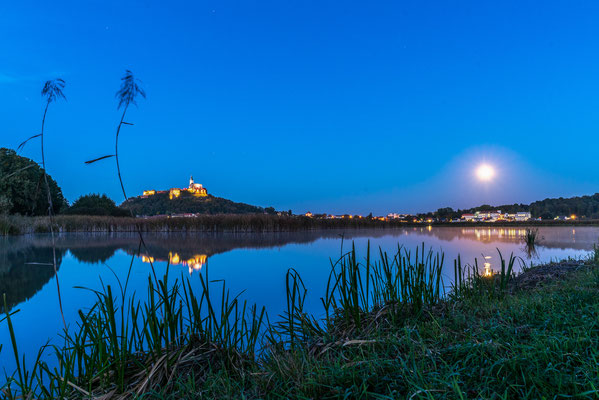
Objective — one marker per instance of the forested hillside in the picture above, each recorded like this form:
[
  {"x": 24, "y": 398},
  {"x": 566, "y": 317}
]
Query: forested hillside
[{"x": 160, "y": 204}]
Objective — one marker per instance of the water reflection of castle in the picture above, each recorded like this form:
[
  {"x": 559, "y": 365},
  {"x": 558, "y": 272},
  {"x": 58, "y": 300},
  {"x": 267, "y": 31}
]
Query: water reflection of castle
[{"x": 194, "y": 263}]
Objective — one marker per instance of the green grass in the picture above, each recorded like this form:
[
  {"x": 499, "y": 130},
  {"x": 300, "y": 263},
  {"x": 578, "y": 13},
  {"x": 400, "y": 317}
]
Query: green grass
[
  {"x": 534, "y": 344},
  {"x": 391, "y": 330}
]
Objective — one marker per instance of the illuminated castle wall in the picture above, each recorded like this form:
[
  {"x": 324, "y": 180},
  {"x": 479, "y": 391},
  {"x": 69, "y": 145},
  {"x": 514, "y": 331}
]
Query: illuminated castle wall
[{"x": 197, "y": 189}]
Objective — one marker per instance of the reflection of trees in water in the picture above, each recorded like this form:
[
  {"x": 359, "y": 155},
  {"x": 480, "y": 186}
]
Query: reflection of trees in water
[
  {"x": 93, "y": 255},
  {"x": 19, "y": 280},
  {"x": 160, "y": 246},
  {"x": 98, "y": 248}
]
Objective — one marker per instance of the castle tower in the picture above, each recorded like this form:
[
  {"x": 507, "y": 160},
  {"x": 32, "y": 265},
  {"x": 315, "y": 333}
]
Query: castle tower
[{"x": 190, "y": 181}]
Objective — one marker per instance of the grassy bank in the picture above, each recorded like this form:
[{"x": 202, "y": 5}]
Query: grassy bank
[
  {"x": 19, "y": 225},
  {"x": 391, "y": 329}
]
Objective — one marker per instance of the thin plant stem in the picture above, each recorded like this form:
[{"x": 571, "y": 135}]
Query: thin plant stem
[
  {"x": 51, "y": 215},
  {"x": 116, "y": 151}
]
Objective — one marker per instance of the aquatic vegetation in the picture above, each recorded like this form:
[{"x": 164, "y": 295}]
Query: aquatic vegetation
[
  {"x": 127, "y": 95},
  {"x": 531, "y": 237},
  {"x": 200, "y": 223},
  {"x": 177, "y": 341},
  {"x": 127, "y": 345},
  {"x": 469, "y": 283}
]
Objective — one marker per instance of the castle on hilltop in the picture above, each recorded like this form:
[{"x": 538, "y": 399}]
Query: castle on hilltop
[{"x": 196, "y": 189}]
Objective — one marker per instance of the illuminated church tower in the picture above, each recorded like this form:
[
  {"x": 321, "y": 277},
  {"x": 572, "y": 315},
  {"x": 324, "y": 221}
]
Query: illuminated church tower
[{"x": 196, "y": 188}]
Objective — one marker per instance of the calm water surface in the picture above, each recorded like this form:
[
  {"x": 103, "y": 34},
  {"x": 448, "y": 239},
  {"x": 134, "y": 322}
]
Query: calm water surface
[{"x": 253, "y": 263}]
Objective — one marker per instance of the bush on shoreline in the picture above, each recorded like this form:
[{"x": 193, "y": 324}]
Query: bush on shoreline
[{"x": 96, "y": 204}]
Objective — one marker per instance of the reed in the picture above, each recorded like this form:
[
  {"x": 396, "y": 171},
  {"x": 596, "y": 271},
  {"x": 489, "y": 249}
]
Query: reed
[
  {"x": 174, "y": 339},
  {"x": 26, "y": 381},
  {"x": 9, "y": 226},
  {"x": 403, "y": 279},
  {"x": 131, "y": 347},
  {"x": 469, "y": 283},
  {"x": 394, "y": 286},
  {"x": 202, "y": 223},
  {"x": 531, "y": 237}
]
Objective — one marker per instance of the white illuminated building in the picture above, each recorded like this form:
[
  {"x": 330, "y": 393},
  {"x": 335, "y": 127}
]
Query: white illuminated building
[{"x": 493, "y": 216}]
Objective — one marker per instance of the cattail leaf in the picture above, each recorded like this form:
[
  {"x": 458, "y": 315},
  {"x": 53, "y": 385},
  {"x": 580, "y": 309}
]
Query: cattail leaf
[
  {"x": 99, "y": 158},
  {"x": 25, "y": 142}
]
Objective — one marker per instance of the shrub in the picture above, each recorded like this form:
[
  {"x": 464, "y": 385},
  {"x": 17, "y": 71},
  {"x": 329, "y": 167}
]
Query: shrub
[{"x": 96, "y": 204}]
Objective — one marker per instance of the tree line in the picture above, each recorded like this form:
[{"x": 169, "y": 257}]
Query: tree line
[{"x": 585, "y": 207}]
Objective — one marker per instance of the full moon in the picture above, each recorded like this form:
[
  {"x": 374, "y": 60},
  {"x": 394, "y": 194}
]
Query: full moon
[{"x": 485, "y": 172}]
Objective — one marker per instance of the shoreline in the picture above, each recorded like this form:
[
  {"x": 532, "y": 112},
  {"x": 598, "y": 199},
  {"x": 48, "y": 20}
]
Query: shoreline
[
  {"x": 234, "y": 223},
  {"x": 531, "y": 335}
]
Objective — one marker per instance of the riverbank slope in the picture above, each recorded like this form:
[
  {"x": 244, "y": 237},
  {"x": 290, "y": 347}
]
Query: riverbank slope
[
  {"x": 539, "y": 341},
  {"x": 531, "y": 336}
]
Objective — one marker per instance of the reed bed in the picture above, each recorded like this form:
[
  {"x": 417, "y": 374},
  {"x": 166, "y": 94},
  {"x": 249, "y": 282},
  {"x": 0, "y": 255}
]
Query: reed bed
[
  {"x": 531, "y": 237},
  {"x": 470, "y": 283},
  {"x": 121, "y": 345},
  {"x": 15, "y": 225},
  {"x": 390, "y": 327}
]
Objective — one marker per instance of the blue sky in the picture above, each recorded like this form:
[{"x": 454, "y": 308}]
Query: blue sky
[{"x": 314, "y": 105}]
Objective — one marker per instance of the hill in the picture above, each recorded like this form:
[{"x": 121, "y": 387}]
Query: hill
[
  {"x": 581, "y": 206},
  {"x": 160, "y": 204}
]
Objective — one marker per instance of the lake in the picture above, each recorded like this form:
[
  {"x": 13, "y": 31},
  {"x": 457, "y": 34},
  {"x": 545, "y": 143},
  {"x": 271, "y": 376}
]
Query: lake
[{"x": 254, "y": 264}]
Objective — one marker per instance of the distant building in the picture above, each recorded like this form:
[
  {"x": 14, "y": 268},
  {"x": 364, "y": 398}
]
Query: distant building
[
  {"x": 469, "y": 217},
  {"x": 339, "y": 216},
  {"x": 397, "y": 216},
  {"x": 174, "y": 193},
  {"x": 197, "y": 189},
  {"x": 493, "y": 216},
  {"x": 565, "y": 217},
  {"x": 522, "y": 216},
  {"x": 490, "y": 216}
]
